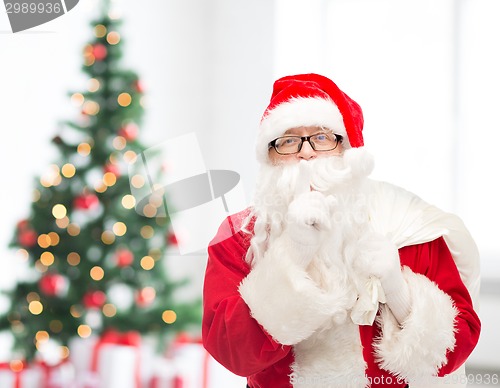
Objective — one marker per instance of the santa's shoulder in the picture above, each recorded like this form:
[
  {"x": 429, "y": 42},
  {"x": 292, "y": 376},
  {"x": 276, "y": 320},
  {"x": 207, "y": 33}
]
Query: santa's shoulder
[
  {"x": 237, "y": 226},
  {"x": 385, "y": 191}
]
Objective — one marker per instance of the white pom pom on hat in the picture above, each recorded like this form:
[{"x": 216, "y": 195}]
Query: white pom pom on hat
[{"x": 309, "y": 100}]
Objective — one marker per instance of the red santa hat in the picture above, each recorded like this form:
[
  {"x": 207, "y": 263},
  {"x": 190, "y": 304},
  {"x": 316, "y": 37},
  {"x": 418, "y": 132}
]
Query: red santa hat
[{"x": 309, "y": 100}]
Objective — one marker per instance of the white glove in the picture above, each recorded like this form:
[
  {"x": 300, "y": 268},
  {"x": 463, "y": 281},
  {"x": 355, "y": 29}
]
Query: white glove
[
  {"x": 379, "y": 257},
  {"x": 308, "y": 221}
]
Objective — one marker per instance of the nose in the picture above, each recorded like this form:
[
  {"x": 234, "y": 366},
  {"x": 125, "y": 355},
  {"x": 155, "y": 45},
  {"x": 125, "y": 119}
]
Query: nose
[{"x": 306, "y": 152}]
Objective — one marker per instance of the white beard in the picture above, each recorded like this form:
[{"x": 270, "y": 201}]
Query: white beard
[
  {"x": 334, "y": 351},
  {"x": 343, "y": 177}
]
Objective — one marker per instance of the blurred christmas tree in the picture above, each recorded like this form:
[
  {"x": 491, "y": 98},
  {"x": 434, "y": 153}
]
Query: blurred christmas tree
[{"x": 95, "y": 262}]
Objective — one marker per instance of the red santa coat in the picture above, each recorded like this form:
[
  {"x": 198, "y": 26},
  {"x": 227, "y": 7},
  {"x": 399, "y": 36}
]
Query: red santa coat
[{"x": 240, "y": 342}]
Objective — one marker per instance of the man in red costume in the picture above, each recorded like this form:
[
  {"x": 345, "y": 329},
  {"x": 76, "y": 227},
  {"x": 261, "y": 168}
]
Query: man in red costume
[{"x": 332, "y": 279}]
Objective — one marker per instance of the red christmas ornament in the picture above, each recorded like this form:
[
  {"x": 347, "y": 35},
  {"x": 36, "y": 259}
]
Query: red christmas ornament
[
  {"x": 145, "y": 296},
  {"x": 86, "y": 202},
  {"x": 53, "y": 284},
  {"x": 23, "y": 224},
  {"x": 100, "y": 52},
  {"x": 112, "y": 168},
  {"x": 129, "y": 131},
  {"x": 27, "y": 238},
  {"x": 94, "y": 299},
  {"x": 138, "y": 86},
  {"x": 172, "y": 239},
  {"x": 124, "y": 258}
]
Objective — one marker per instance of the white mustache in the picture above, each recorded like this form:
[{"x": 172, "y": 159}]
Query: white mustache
[
  {"x": 277, "y": 185},
  {"x": 329, "y": 172}
]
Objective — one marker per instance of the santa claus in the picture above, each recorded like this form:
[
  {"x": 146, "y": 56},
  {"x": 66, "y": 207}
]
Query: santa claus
[{"x": 332, "y": 279}]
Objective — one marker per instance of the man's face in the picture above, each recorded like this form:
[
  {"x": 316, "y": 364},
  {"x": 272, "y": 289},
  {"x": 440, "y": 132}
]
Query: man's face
[{"x": 306, "y": 152}]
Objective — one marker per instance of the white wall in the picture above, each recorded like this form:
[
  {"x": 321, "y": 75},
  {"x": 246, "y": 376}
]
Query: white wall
[{"x": 478, "y": 157}]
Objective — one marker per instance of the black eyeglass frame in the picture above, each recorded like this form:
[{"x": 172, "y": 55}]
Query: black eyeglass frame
[{"x": 272, "y": 144}]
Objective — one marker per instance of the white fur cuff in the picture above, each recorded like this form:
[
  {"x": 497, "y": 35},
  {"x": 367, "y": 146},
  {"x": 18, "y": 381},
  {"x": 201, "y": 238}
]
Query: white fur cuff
[
  {"x": 283, "y": 298},
  {"x": 418, "y": 348}
]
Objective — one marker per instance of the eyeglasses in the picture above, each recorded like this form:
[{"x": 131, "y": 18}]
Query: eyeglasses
[{"x": 287, "y": 145}]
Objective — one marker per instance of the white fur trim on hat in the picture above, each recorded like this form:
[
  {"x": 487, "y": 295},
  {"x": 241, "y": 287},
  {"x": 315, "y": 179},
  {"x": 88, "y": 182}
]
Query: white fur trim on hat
[{"x": 299, "y": 112}]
